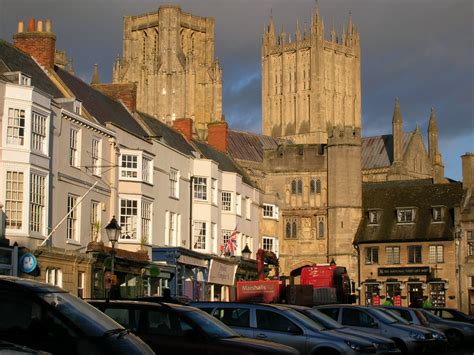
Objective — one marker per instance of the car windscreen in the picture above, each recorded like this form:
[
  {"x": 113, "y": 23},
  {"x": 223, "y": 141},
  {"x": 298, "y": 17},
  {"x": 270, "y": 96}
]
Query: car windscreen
[
  {"x": 382, "y": 316},
  {"x": 304, "y": 320},
  {"x": 89, "y": 319},
  {"x": 395, "y": 315},
  {"x": 322, "y": 319},
  {"x": 210, "y": 325}
]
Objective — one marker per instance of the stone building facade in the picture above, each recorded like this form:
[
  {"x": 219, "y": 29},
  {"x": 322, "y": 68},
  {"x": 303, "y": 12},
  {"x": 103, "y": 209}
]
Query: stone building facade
[{"x": 169, "y": 54}]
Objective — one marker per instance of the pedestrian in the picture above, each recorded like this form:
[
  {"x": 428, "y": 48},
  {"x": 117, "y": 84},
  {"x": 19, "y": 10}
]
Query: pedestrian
[
  {"x": 388, "y": 302},
  {"x": 426, "y": 302}
]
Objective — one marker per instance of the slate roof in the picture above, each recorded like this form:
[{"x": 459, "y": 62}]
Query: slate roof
[
  {"x": 103, "y": 108},
  {"x": 169, "y": 135},
  {"x": 377, "y": 151},
  {"x": 224, "y": 161},
  {"x": 249, "y": 146},
  {"x": 422, "y": 195},
  {"x": 17, "y": 60}
]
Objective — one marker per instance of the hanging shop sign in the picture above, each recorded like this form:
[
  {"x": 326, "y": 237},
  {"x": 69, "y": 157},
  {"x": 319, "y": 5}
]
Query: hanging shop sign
[
  {"x": 27, "y": 263},
  {"x": 221, "y": 273}
]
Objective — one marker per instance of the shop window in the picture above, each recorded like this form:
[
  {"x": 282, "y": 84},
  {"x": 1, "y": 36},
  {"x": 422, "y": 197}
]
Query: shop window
[
  {"x": 393, "y": 255},
  {"x": 371, "y": 255},
  {"x": 438, "y": 294},
  {"x": 371, "y": 290},
  {"x": 393, "y": 289},
  {"x": 414, "y": 254}
]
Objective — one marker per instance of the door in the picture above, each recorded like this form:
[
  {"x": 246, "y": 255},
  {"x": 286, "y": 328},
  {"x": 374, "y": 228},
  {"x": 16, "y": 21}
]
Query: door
[
  {"x": 360, "y": 320},
  {"x": 277, "y": 327},
  {"x": 415, "y": 294}
]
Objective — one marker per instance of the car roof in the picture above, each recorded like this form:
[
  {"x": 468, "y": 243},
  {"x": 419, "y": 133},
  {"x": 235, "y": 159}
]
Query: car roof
[
  {"x": 220, "y": 304},
  {"x": 142, "y": 303},
  {"x": 29, "y": 284}
]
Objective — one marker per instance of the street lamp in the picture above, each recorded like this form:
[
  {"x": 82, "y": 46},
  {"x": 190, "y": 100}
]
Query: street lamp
[
  {"x": 246, "y": 252},
  {"x": 113, "y": 232}
]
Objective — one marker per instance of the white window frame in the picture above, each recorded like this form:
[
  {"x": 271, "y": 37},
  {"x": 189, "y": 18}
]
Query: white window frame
[
  {"x": 74, "y": 147},
  {"x": 200, "y": 192},
  {"x": 72, "y": 222},
  {"x": 146, "y": 221},
  {"x": 226, "y": 201},
  {"x": 129, "y": 166},
  {"x": 96, "y": 154},
  {"x": 436, "y": 254},
  {"x": 39, "y": 131},
  {"x": 171, "y": 237},
  {"x": 392, "y": 257},
  {"x": 127, "y": 220},
  {"x": 214, "y": 191},
  {"x": 369, "y": 255},
  {"x": 248, "y": 208},
  {"x": 54, "y": 276},
  {"x": 81, "y": 284},
  {"x": 406, "y": 215},
  {"x": 270, "y": 211},
  {"x": 147, "y": 170},
  {"x": 174, "y": 183},
  {"x": 199, "y": 239},
  {"x": 95, "y": 220},
  {"x": 373, "y": 217},
  {"x": 37, "y": 203},
  {"x": 16, "y": 126},
  {"x": 238, "y": 204},
  {"x": 14, "y": 198},
  {"x": 437, "y": 214}
]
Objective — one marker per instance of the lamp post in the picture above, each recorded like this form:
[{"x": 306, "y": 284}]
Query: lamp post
[
  {"x": 246, "y": 252},
  {"x": 458, "y": 240},
  {"x": 113, "y": 232}
]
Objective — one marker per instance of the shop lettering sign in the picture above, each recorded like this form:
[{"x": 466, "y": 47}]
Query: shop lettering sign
[
  {"x": 403, "y": 271},
  {"x": 222, "y": 273}
]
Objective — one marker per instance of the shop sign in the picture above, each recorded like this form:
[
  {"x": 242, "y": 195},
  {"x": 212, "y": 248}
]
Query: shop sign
[
  {"x": 190, "y": 260},
  {"x": 403, "y": 271},
  {"x": 221, "y": 273},
  {"x": 27, "y": 263},
  {"x": 397, "y": 300},
  {"x": 376, "y": 300}
]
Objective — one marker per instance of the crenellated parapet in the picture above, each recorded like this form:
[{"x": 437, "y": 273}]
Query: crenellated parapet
[{"x": 344, "y": 135}]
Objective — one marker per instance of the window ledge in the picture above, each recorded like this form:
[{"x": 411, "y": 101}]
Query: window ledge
[
  {"x": 174, "y": 198},
  {"x": 73, "y": 242}
]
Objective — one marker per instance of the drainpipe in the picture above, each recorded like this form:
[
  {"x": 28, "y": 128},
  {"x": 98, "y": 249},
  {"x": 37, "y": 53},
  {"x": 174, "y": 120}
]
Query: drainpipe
[
  {"x": 357, "y": 247},
  {"x": 49, "y": 223},
  {"x": 191, "y": 213}
]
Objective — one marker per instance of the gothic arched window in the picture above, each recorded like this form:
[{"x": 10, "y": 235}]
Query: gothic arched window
[
  {"x": 300, "y": 186},
  {"x": 318, "y": 186},
  {"x": 312, "y": 186},
  {"x": 321, "y": 230},
  {"x": 291, "y": 228},
  {"x": 293, "y": 186}
]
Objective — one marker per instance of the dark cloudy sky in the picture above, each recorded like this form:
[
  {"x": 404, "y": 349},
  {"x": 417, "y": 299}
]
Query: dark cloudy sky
[{"x": 419, "y": 50}]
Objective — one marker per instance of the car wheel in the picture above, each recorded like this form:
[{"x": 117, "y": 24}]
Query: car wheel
[
  {"x": 454, "y": 337},
  {"x": 326, "y": 351},
  {"x": 401, "y": 345}
]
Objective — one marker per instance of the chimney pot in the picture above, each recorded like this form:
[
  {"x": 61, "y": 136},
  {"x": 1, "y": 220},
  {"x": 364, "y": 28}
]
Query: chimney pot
[
  {"x": 40, "y": 26},
  {"x": 48, "y": 26},
  {"x": 31, "y": 25},
  {"x": 21, "y": 26}
]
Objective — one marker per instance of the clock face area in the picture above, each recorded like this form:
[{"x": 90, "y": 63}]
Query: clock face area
[{"x": 27, "y": 263}]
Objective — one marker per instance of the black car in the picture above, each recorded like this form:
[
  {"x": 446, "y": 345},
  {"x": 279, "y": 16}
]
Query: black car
[
  {"x": 49, "y": 319},
  {"x": 171, "y": 328},
  {"x": 451, "y": 314}
]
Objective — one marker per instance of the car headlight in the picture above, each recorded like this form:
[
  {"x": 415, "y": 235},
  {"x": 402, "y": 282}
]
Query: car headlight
[
  {"x": 360, "y": 348},
  {"x": 438, "y": 336},
  {"x": 417, "y": 336}
]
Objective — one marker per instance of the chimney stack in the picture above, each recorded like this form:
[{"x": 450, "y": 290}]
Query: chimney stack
[
  {"x": 468, "y": 170},
  {"x": 126, "y": 92},
  {"x": 185, "y": 127},
  {"x": 39, "y": 43},
  {"x": 217, "y": 135}
]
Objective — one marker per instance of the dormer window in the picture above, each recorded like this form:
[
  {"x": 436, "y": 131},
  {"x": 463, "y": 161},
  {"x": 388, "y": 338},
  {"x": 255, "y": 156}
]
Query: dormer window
[
  {"x": 437, "y": 213},
  {"x": 24, "y": 80},
  {"x": 78, "y": 107},
  {"x": 406, "y": 215},
  {"x": 373, "y": 217}
]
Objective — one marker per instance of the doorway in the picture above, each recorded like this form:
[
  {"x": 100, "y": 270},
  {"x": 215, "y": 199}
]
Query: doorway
[{"x": 415, "y": 294}]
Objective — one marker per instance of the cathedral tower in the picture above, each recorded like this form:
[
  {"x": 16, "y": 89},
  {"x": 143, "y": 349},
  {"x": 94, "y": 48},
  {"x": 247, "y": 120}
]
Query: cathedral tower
[
  {"x": 169, "y": 54},
  {"x": 310, "y": 84}
]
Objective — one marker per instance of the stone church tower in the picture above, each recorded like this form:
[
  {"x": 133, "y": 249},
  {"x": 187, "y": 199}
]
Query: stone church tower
[
  {"x": 310, "y": 84},
  {"x": 311, "y": 97},
  {"x": 169, "y": 54}
]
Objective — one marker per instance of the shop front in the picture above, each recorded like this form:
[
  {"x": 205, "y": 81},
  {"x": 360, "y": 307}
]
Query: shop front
[
  {"x": 8, "y": 258},
  {"x": 190, "y": 271}
]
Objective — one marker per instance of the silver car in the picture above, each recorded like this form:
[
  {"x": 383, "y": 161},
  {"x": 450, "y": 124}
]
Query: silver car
[
  {"x": 372, "y": 320},
  {"x": 281, "y": 324}
]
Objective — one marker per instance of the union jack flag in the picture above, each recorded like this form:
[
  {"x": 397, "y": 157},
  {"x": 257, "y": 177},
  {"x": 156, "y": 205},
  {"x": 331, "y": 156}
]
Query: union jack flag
[{"x": 232, "y": 242}]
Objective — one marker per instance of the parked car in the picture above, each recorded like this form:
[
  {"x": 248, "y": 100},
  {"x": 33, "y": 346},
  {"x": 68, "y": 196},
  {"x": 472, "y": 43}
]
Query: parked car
[
  {"x": 457, "y": 332},
  {"x": 282, "y": 324},
  {"x": 372, "y": 320},
  {"x": 383, "y": 345},
  {"x": 171, "y": 328},
  {"x": 49, "y": 319},
  {"x": 451, "y": 314},
  {"x": 15, "y": 349},
  {"x": 441, "y": 342}
]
